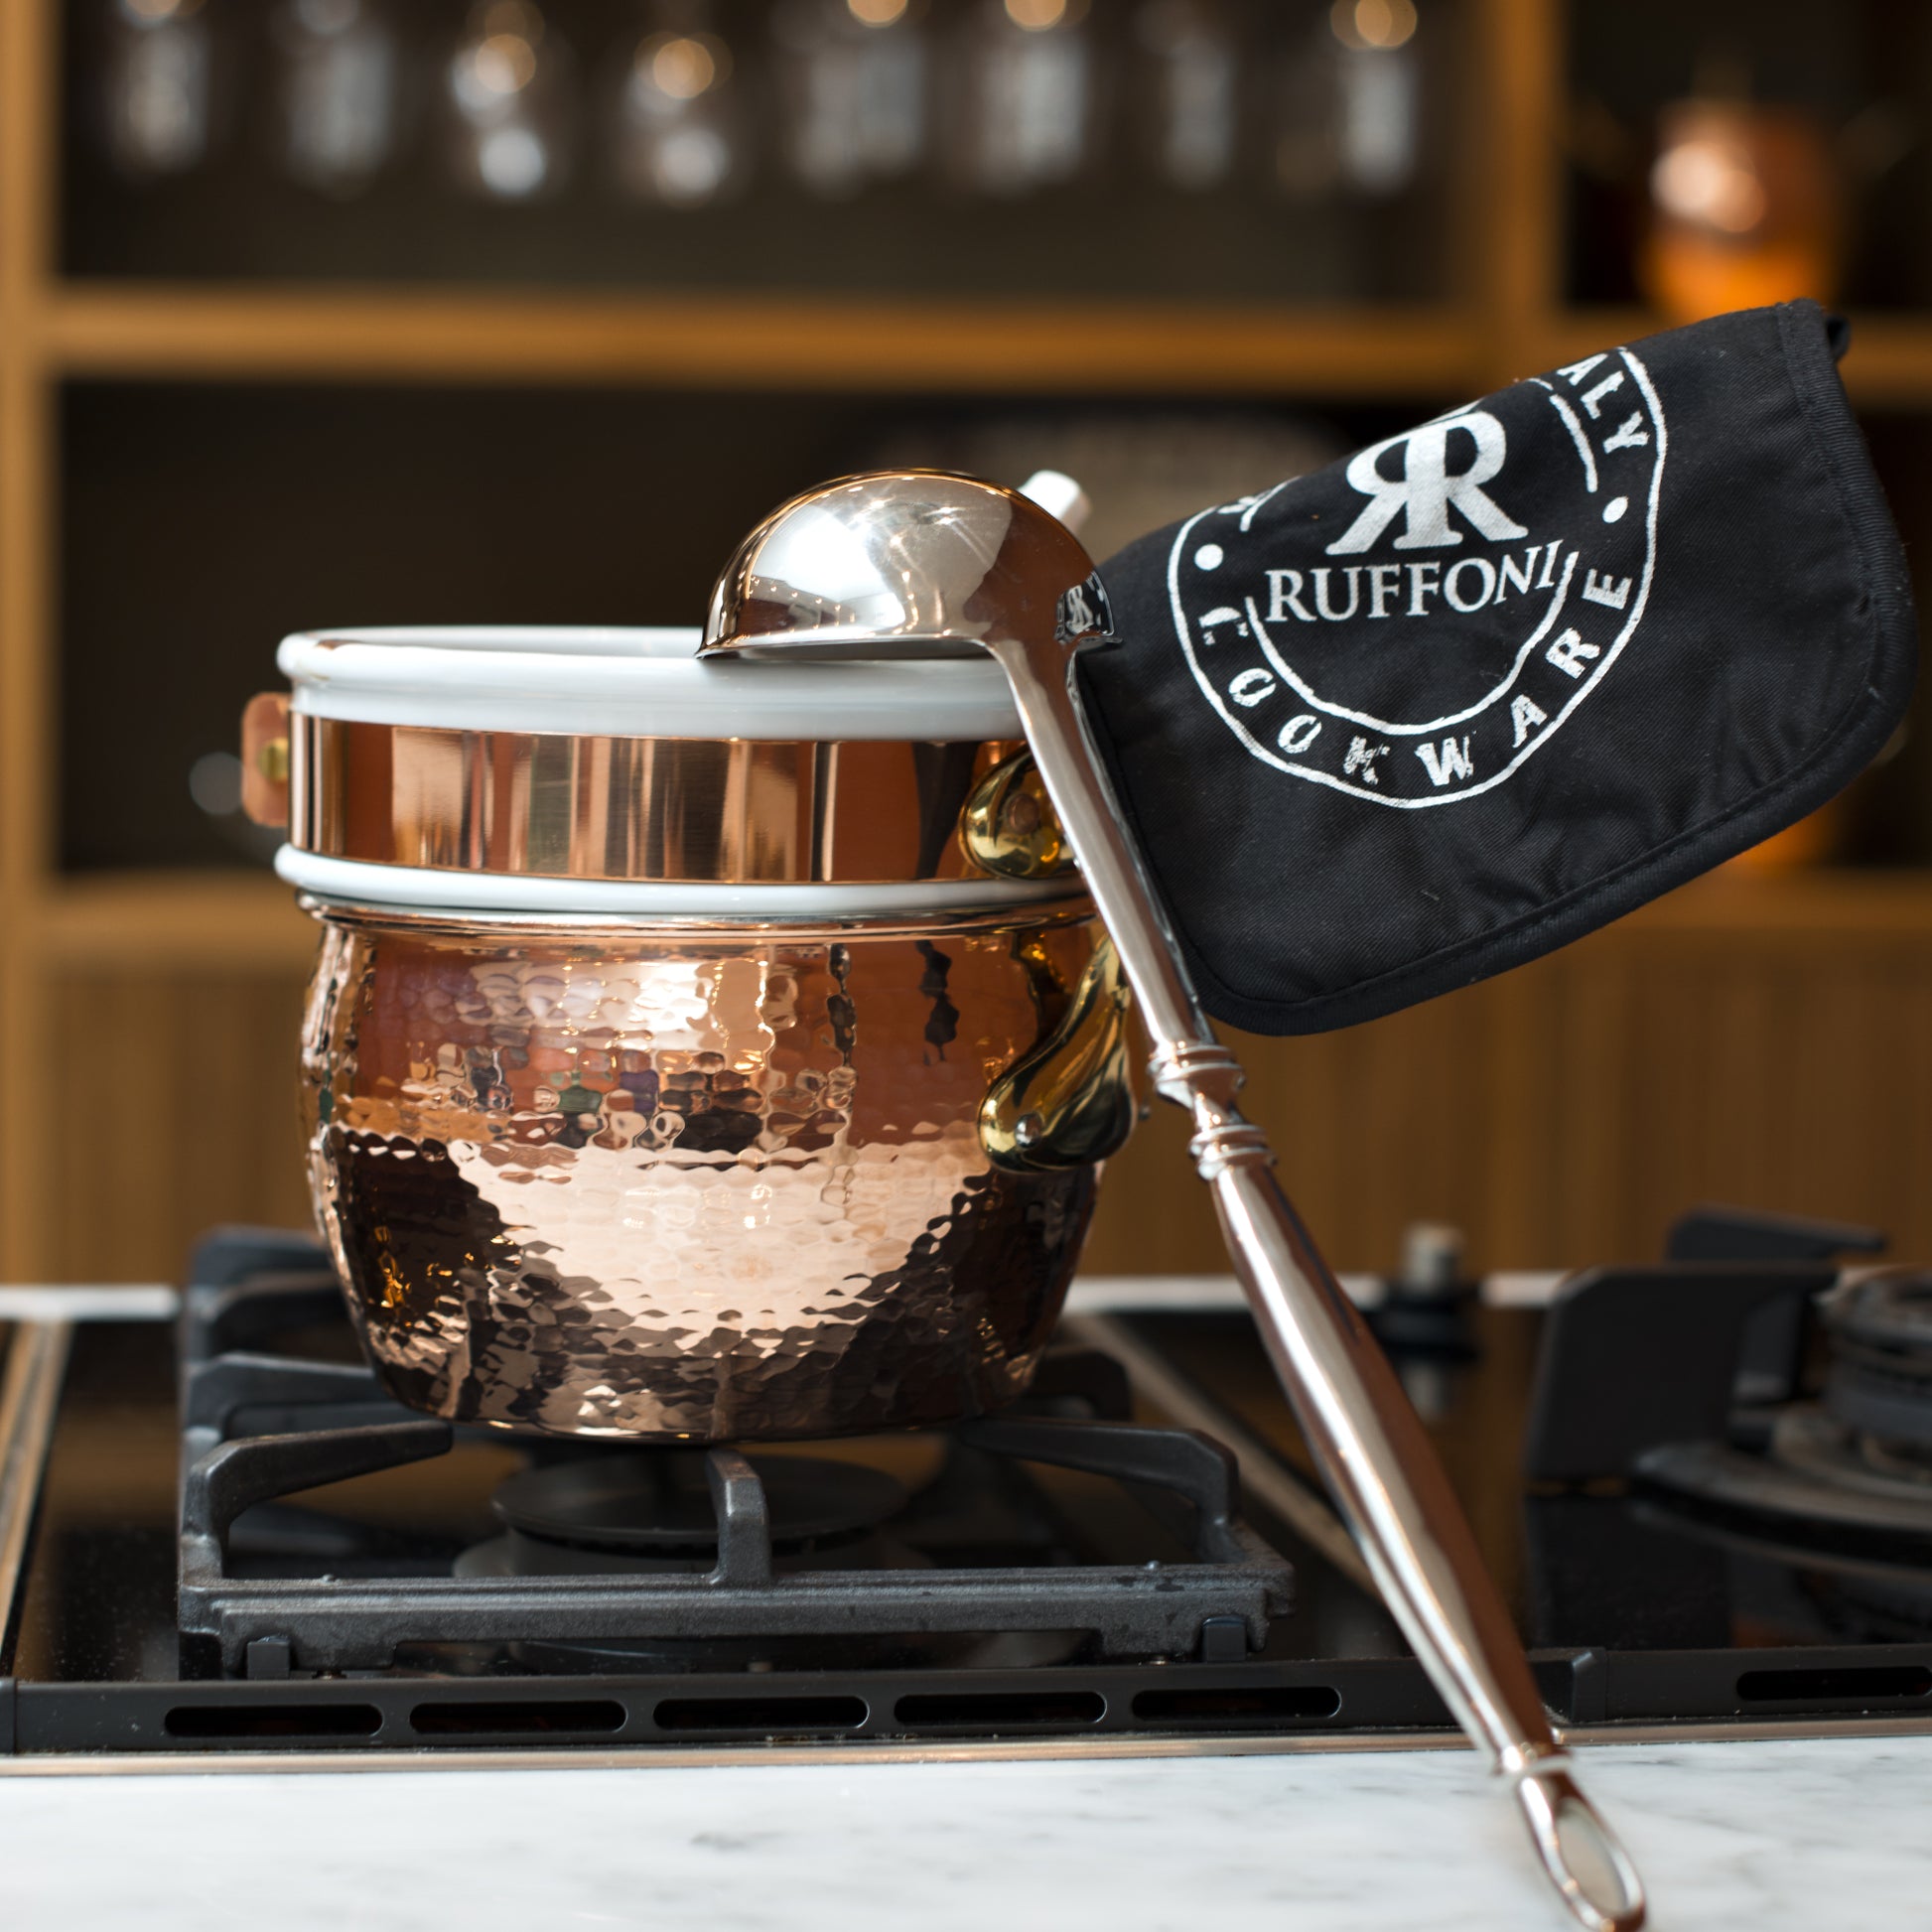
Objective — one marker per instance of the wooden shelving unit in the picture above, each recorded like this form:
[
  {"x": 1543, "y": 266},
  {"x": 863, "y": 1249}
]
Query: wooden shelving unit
[
  {"x": 1002, "y": 348},
  {"x": 990, "y": 346},
  {"x": 80, "y": 959}
]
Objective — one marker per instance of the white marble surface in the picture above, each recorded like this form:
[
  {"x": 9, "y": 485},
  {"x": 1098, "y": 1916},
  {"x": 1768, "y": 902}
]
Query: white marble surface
[{"x": 1831, "y": 1834}]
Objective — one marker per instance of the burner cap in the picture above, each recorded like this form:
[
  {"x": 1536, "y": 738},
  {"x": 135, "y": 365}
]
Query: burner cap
[
  {"x": 659, "y": 1501},
  {"x": 1889, "y": 1310},
  {"x": 1881, "y": 1378}
]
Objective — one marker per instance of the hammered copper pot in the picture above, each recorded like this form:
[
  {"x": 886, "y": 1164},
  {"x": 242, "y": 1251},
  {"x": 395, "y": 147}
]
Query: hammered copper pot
[
  {"x": 693, "y": 1055},
  {"x": 633, "y": 1185}
]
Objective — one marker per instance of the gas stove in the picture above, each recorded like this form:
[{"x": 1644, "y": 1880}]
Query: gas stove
[{"x": 1706, "y": 1487}]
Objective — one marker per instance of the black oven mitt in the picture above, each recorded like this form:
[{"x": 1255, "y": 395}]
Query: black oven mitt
[{"x": 1440, "y": 708}]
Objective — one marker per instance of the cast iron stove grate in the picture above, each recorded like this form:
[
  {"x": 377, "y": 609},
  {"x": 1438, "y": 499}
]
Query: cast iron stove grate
[{"x": 265, "y": 1593}]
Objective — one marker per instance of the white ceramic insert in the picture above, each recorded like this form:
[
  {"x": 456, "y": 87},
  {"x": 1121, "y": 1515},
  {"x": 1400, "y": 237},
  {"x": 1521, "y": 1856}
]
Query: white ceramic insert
[{"x": 633, "y": 683}]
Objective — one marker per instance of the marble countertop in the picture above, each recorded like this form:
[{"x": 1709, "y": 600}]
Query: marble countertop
[{"x": 1776, "y": 1835}]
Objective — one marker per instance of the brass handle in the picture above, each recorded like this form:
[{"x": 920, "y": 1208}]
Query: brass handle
[
  {"x": 1070, "y": 1101},
  {"x": 1008, "y": 826}
]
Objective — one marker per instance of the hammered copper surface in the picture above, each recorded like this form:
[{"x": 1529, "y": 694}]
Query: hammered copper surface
[
  {"x": 627, "y": 1185},
  {"x": 738, "y": 811}
]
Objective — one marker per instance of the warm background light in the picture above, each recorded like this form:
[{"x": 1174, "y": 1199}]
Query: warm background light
[
  {"x": 685, "y": 66},
  {"x": 1037, "y": 16},
  {"x": 1373, "y": 23}
]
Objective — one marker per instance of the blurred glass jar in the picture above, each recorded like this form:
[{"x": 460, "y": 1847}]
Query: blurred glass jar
[
  {"x": 510, "y": 89},
  {"x": 1348, "y": 107},
  {"x": 852, "y": 78},
  {"x": 1187, "y": 90},
  {"x": 338, "y": 93},
  {"x": 158, "y": 94},
  {"x": 1025, "y": 114},
  {"x": 1747, "y": 208},
  {"x": 679, "y": 137}
]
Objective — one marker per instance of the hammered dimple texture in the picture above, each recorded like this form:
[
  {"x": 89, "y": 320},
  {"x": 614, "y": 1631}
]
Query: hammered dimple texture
[{"x": 658, "y": 1189}]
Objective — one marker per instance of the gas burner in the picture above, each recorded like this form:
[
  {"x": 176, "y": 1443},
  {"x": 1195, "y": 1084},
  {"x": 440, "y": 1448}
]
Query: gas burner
[
  {"x": 1815, "y": 1444},
  {"x": 1717, "y": 1430},
  {"x": 1880, "y": 1386},
  {"x": 1818, "y": 1477},
  {"x": 1858, "y": 1463},
  {"x": 651, "y": 1511}
]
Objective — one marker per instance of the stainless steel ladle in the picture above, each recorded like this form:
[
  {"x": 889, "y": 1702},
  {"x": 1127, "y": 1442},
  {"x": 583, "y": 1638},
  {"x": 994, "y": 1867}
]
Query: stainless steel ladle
[{"x": 921, "y": 563}]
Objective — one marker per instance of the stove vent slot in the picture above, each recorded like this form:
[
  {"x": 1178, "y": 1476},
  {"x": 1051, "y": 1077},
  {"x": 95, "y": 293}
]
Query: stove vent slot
[
  {"x": 1001, "y": 1710},
  {"x": 1237, "y": 1707},
  {"x": 775, "y": 1715},
  {"x": 1842, "y": 1684},
  {"x": 520, "y": 1717},
  {"x": 264, "y": 1723}
]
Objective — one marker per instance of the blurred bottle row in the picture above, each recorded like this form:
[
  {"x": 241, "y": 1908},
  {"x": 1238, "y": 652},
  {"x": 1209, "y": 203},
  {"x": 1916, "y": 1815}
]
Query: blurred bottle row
[{"x": 686, "y": 101}]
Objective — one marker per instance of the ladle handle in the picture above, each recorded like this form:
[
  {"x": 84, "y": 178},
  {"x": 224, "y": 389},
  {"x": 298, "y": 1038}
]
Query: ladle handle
[
  {"x": 1390, "y": 1486},
  {"x": 1370, "y": 1447}
]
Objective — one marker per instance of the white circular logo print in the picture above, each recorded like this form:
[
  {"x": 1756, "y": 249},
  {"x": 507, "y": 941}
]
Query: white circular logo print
[{"x": 1410, "y": 628}]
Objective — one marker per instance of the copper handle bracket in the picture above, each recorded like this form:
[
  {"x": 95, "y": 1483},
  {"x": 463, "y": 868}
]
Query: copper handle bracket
[{"x": 265, "y": 758}]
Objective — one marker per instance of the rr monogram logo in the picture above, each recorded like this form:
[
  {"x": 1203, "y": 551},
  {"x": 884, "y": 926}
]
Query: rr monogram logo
[{"x": 1428, "y": 488}]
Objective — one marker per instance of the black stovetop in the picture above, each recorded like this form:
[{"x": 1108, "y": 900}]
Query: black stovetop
[{"x": 1072, "y": 1570}]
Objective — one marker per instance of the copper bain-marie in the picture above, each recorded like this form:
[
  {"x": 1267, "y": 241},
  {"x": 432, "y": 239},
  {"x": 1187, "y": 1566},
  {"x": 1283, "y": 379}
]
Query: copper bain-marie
[{"x": 769, "y": 1103}]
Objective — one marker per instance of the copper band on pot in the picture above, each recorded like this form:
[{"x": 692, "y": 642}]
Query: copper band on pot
[{"x": 735, "y": 811}]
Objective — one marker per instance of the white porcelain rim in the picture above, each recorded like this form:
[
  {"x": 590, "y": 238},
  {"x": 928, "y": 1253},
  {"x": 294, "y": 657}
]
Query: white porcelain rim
[
  {"x": 633, "y": 682},
  {"x": 428, "y": 889}
]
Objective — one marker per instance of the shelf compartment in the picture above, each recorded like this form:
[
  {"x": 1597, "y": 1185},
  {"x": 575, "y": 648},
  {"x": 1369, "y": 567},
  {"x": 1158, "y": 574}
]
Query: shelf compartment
[{"x": 1307, "y": 224}]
